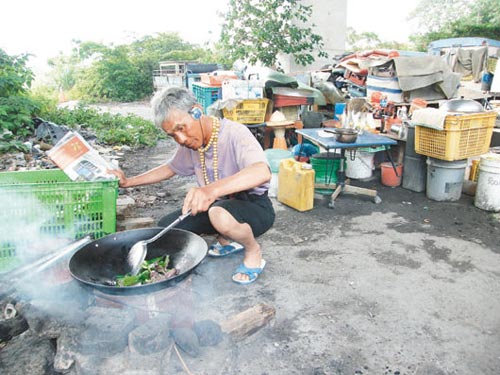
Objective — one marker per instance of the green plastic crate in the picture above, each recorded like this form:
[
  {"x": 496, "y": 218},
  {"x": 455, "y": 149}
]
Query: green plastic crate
[{"x": 48, "y": 204}]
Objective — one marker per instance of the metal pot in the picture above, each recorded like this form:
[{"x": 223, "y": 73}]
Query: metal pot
[
  {"x": 344, "y": 135},
  {"x": 462, "y": 105},
  {"x": 98, "y": 263}
]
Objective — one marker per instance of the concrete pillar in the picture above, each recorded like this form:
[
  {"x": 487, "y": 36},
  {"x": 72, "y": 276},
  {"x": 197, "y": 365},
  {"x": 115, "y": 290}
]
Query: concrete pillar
[{"x": 330, "y": 18}]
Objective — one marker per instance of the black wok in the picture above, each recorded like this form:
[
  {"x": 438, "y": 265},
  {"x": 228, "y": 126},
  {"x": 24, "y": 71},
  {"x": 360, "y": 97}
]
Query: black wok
[{"x": 99, "y": 262}]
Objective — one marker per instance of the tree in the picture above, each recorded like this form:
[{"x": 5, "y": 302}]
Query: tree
[
  {"x": 456, "y": 18},
  {"x": 433, "y": 15},
  {"x": 16, "y": 107},
  {"x": 113, "y": 76},
  {"x": 361, "y": 41},
  {"x": 259, "y": 30},
  {"x": 368, "y": 40},
  {"x": 64, "y": 71},
  {"x": 123, "y": 72}
]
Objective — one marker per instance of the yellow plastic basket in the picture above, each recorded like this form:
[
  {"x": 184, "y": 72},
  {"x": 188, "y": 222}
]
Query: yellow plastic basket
[
  {"x": 463, "y": 136},
  {"x": 492, "y": 64},
  {"x": 249, "y": 111}
]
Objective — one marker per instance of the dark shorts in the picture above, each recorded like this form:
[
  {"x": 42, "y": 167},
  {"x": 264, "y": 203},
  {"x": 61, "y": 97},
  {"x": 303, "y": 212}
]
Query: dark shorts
[{"x": 255, "y": 210}]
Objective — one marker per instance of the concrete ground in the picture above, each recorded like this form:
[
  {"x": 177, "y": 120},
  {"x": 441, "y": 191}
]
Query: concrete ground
[{"x": 408, "y": 286}]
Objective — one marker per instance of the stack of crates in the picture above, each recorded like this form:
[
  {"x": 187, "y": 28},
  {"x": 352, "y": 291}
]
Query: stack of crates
[
  {"x": 46, "y": 204},
  {"x": 206, "y": 95}
]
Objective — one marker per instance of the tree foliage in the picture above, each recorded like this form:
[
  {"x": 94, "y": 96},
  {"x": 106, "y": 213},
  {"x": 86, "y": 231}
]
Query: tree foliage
[
  {"x": 432, "y": 15},
  {"x": 16, "y": 107},
  {"x": 112, "y": 76},
  {"x": 260, "y": 30},
  {"x": 456, "y": 18},
  {"x": 99, "y": 72},
  {"x": 369, "y": 40},
  {"x": 361, "y": 41}
]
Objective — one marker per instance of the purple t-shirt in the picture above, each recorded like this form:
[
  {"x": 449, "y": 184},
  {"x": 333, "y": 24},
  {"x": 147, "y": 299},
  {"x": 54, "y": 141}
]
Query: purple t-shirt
[{"x": 237, "y": 148}]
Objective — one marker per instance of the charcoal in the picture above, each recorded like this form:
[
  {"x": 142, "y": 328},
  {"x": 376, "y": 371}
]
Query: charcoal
[
  {"x": 150, "y": 337},
  {"x": 10, "y": 328},
  {"x": 16, "y": 359},
  {"x": 106, "y": 330},
  {"x": 186, "y": 339},
  {"x": 209, "y": 332}
]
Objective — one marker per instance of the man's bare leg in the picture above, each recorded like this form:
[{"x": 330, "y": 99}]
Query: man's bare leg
[{"x": 228, "y": 227}]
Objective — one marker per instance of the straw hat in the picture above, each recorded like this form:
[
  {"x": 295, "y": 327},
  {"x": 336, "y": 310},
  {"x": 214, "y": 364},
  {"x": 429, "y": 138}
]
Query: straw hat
[{"x": 278, "y": 119}]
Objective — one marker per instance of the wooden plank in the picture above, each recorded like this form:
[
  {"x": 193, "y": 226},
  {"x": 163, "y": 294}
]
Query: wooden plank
[{"x": 249, "y": 321}]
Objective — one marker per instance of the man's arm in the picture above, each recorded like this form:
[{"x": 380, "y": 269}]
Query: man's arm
[
  {"x": 160, "y": 173},
  {"x": 199, "y": 199}
]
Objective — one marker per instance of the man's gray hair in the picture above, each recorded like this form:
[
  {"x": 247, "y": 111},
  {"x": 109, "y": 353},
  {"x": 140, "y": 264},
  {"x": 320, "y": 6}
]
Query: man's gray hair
[{"x": 171, "y": 98}]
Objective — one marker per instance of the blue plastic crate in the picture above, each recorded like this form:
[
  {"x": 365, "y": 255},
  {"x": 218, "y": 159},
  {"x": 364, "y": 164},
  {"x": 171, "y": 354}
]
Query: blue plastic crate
[{"x": 206, "y": 95}]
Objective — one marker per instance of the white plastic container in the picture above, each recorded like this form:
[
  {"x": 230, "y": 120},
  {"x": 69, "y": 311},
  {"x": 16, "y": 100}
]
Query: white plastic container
[
  {"x": 273, "y": 186},
  {"x": 488, "y": 183},
  {"x": 361, "y": 167}
]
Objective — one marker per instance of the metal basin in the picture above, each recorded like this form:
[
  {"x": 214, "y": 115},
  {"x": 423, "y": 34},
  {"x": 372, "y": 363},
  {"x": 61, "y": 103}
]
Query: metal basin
[{"x": 462, "y": 105}]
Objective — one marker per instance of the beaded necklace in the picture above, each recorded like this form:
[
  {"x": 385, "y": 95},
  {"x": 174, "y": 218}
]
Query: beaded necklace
[{"x": 215, "y": 161}]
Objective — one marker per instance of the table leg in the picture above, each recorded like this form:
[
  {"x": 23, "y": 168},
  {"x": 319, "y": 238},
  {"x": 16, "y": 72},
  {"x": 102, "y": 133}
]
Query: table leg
[
  {"x": 343, "y": 187},
  {"x": 392, "y": 161}
]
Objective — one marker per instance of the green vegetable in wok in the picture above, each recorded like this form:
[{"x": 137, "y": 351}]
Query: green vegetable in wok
[{"x": 152, "y": 270}]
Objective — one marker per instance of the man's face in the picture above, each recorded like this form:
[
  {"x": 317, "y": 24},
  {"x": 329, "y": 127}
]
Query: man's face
[{"x": 185, "y": 130}]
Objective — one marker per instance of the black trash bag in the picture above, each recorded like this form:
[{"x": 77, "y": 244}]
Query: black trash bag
[{"x": 49, "y": 132}]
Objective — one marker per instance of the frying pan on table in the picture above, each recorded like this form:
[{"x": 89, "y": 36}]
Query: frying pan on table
[{"x": 97, "y": 264}]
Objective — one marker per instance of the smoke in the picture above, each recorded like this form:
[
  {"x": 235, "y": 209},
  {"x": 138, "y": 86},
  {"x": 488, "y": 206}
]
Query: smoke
[{"x": 25, "y": 229}]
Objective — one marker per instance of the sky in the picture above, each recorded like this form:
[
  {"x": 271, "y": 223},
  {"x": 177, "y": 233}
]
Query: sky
[{"x": 46, "y": 28}]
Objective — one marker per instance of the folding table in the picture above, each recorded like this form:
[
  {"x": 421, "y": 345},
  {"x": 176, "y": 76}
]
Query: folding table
[{"x": 319, "y": 137}]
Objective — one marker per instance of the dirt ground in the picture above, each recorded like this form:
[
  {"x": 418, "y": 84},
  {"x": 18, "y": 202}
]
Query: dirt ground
[{"x": 407, "y": 286}]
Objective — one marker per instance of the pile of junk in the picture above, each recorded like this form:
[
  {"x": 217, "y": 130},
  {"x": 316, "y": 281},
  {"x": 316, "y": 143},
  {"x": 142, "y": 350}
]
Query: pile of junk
[{"x": 382, "y": 88}]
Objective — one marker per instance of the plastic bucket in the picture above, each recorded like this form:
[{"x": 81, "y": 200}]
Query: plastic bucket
[
  {"x": 273, "y": 186},
  {"x": 488, "y": 183},
  {"x": 274, "y": 157},
  {"x": 486, "y": 81},
  {"x": 388, "y": 174},
  {"x": 361, "y": 166},
  {"x": 414, "y": 174},
  {"x": 445, "y": 179},
  {"x": 325, "y": 166}
]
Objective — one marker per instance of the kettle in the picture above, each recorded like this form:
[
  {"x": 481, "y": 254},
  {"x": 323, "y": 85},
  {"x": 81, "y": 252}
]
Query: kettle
[{"x": 400, "y": 129}]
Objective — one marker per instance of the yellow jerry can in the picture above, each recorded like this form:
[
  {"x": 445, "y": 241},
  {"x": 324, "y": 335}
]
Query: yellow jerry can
[{"x": 296, "y": 184}]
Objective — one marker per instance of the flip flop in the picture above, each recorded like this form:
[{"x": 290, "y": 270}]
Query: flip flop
[
  {"x": 217, "y": 250},
  {"x": 253, "y": 273}
]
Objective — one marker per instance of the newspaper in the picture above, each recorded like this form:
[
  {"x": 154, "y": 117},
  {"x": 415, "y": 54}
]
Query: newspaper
[{"x": 79, "y": 160}]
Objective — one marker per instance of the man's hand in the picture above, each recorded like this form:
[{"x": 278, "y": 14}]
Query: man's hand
[
  {"x": 198, "y": 200},
  {"x": 121, "y": 176}
]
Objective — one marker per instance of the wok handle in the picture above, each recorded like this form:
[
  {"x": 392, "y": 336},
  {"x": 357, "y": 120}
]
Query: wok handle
[
  {"x": 41, "y": 264},
  {"x": 167, "y": 228}
]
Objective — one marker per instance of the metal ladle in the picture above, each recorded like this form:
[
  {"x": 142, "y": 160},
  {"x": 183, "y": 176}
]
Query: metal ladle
[{"x": 138, "y": 251}]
